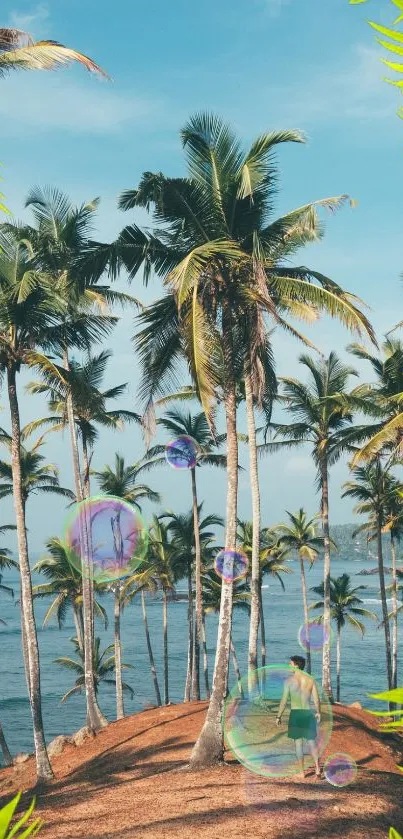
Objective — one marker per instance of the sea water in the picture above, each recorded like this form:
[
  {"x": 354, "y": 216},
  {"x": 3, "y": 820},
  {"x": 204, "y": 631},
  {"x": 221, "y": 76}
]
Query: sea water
[{"x": 363, "y": 660}]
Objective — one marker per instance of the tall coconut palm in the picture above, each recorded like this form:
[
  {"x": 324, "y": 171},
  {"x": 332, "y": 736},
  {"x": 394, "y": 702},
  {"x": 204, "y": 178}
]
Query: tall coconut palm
[
  {"x": 197, "y": 427},
  {"x": 211, "y": 605},
  {"x": 270, "y": 563},
  {"x": 143, "y": 581},
  {"x": 162, "y": 558},
  {"x": 300, "y": 536},
  {"x": 217, "y": 247},
  {"x": 30, "y": 313},
  {"x": 64, "y": 585},
  {"x": 60, "y": 234},
  {"x": 182, "y": 528},
  {"x": 394, "y": 526},
  {"x": 374, "y": 488},
  {"x": 6, "y": 561},
  {"x": 345, "y": 608},
  {"x": 122, "y": 482},
  {"x": 19, "y": 52},
  {"x": 323, "y": 417},
  {"x": 104, "y": 666}
]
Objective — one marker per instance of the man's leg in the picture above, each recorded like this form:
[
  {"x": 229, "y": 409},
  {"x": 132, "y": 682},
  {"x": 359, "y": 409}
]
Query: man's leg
[
  {"x": 299, "y": 748},
  {"x": 312, "y": 746}
]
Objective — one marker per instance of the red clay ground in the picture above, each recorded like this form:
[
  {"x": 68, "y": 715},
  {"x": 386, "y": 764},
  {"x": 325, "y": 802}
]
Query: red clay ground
[{"x": 130, "y": 782}]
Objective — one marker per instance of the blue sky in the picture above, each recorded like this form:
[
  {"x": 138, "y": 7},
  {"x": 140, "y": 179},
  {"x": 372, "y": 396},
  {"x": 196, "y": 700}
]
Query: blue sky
[{"x": 261, "y": 64}]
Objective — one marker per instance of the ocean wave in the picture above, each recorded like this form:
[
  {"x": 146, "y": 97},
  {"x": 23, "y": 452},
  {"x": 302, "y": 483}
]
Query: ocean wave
[{"x": 375, "y": 600}]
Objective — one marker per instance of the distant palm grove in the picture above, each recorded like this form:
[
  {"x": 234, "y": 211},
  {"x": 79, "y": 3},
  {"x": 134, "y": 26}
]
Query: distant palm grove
[{"x": 230, "y": 275}]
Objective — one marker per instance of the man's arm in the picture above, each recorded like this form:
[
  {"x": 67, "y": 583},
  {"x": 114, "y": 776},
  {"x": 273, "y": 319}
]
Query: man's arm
[{"x": 283, "y": 703}]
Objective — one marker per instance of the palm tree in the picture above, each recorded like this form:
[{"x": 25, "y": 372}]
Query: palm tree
[
  {"x": 300, "y": 536},
  {"x": 30, "y": 313},
  {"x": 36, "y": 475},
  {"x": 375, "y": 488},
  {"x": 103, "y": 667},
  {"x": 211, "y": 604},
  {"x": 394, "y": 526},
  {"x": 89, "y": 404},
  {"x": 323, "y": 416},
  {"x": 345, "y": 607},
  {"x": 122, "y": 481},
  {"x": 143, "y": 581},
  {"x": 6, "y": 561},
  {"x": 217, "y": 249},
  {"x": 64, "y": 584},
  {"x": 270, "y": 563},
  {"x": 162, "y": 557},
  {"x": 182, "y": 528},
  {"x": 382, "y": 399},
  {"x": 60, "y": 237},
  {"x": 197, "y": 427},
  {"x": 19, "y": 52}
]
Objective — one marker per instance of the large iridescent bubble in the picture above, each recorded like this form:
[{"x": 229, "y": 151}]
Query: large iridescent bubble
[
  {"x": 250, "y": 729},
  {"x": 105, "y": 538}
]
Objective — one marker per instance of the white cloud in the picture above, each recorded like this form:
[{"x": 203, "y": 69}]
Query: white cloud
[
  {"x": 329, "y": 94},
  {"x": 29, "y": 20},
  {"x": 46, "y": 102}
]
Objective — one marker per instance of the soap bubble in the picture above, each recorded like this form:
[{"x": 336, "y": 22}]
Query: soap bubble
[
  {"x": 182, "y": 453},
  {"x": 318, "y": 636},
  {"x": 231, "y": 565},
  {"x": 113, "y": 535},
  {"x": 251, "y": 733},
  {"x": 340, "y": 770}
]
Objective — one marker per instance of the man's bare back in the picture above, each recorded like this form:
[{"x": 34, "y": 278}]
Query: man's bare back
[{"x": 302, "y": 692}]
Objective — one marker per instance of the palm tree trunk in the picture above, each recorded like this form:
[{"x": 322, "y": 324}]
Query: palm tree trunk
[
  {"x": 150, "y": 652},
  {"x": 198, "y": 600},
  {"x": 43, "y": 767},
  {"x": 384, "y": 603},
  {"x": 255, "y": 569},
  {"x": 24, "y": 646},
  {"x": 262, "y": 636},
  {"x": 165, "y": 630},
  {"x": 86, "y": 494},
  {"x": 209, "y": 749},
  {"x": 394, "y": 612},
  {"x": 326, "y": 663},
  {"x": 188, "y": 683},
  {"x": 78, "y": 623},
  {"x": 338, "y": 662},
  {"x": 95, "y": 718},
  {"x": 86, "y": 464},
  {"x": 120, "y": 711},
  {"x": 8, "y": 761},
  {"x": 236, "y": 668},
  {"x": 205, "y": 657},
  {"x": 306, "y": 614}
]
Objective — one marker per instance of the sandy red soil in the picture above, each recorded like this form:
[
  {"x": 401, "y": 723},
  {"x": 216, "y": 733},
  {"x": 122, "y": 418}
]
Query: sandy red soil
[{"x": 132, "y": 781}]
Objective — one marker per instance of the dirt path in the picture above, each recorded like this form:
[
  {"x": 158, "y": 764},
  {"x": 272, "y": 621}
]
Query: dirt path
[{"x": 131, "y": 782}]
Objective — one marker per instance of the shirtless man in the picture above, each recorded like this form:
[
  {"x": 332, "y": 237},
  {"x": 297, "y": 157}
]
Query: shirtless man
[{"x": 301, "y": 690}]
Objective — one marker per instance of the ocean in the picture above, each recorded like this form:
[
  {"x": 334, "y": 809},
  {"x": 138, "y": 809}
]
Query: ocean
[{"x": 363, "y": 660}]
